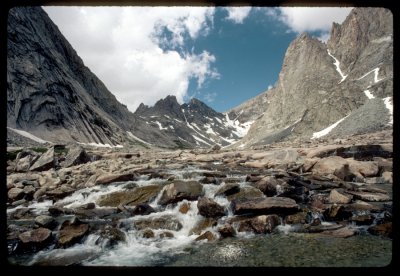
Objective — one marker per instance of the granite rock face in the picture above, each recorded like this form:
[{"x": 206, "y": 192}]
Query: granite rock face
[
  {"x": 319, "y": 83},
  {"x": 50, "y": 92}
]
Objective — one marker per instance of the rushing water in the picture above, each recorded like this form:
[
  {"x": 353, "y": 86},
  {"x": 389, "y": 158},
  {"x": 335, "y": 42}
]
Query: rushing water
[{"x": 282, "y": 248}]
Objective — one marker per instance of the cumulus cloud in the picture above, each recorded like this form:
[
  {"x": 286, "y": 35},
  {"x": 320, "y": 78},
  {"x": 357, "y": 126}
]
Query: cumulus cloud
[
  {"x": 127, "y": 49},
  {"x": 237, "y": 14},
  {"x": 302, "y": 19}
]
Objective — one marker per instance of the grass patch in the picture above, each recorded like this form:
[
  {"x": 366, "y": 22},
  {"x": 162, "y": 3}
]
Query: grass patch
[{"x": 11, "y": 155}]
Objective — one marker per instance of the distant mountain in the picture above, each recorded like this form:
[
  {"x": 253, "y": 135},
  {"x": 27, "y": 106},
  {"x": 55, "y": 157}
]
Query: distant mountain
[
  {"x": 192, "y": 124},
  {"x": 340, "y": 88}
]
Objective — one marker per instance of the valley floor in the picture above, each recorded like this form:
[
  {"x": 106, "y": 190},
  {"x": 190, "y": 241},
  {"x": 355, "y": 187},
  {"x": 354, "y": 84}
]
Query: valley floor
[{"x": 69, "y": 205}]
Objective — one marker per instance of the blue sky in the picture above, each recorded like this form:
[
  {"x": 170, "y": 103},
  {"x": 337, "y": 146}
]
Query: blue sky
[{"x": 222, "y": 56}]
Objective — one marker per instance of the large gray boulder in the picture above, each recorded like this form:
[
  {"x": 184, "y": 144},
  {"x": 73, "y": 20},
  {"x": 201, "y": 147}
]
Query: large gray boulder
[
  {"x": 45, "y": 162},
  {"x": 269, "y": 205},
  {"x": 180, "y": 190}
]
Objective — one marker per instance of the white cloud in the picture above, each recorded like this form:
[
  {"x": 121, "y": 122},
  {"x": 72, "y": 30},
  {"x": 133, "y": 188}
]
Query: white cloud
[
  {"x": 123, "y": 47},
  {"x": 302, "y": 19},
  {"x": 237, "y": 14}
]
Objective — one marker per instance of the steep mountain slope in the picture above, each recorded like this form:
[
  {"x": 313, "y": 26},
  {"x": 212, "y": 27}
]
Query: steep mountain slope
[
  {"x": 250, "y": 110},
  {"x": 316, "y": 88},
  {"x": 192, "y": 124},
  {"x": 50, "y": 92}
]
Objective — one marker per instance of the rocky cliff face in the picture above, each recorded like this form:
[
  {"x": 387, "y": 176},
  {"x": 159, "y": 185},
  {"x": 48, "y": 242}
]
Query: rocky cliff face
[
  {"x": 50, "y": 92},
  {"x": 251, "y": 110},
  {"x": 350, "y": 77}
]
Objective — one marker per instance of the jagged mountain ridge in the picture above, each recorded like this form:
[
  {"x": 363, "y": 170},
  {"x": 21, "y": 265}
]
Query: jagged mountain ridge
[
  {"x": 316, "y": 88},
  {"x": 189, "y": 124}
]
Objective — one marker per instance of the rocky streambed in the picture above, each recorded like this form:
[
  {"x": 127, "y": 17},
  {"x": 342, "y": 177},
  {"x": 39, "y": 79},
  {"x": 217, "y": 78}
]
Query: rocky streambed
[{"x": 312, "y": 205}]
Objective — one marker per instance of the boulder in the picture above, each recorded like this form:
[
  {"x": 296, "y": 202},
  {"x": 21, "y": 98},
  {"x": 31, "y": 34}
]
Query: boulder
[
  {"x": 138, "y": 195},
  {"x": 45, "y": 221},
  {"x": 147, "y": 233},
  {"x": 384, "y": 165},
  {"x": 166, "y": 222},
  {"x": 202, "y": 224},
  {"x": 366, "y": 196},
  {"x": 334, "y": 165},
  {"x": 246, "y": 193},
  {"x": 180, "y": 190},
  {"x": 142, "y": 209},
  {"x": 23, "y": 164},
  {"x": 35, "y": 239},
  {"x": 228, "y": 189},
  {"x": 72, "y": 232},
  {"x": 209, "y": 236},
  {"x": 344, "y": 232},
  {"x": 336, "y": 212},
  {"x": 323, "y": 151},
  {"x": 45, "y": 162},
  {"x": 15, "y": 193},
  {"x": 363, "y": 169},
  {"x": 214, "y": 174},
  {"x": 337, "y": 197},
  {"x": 363, "y": 219},
  {"x": 384, "y": 229},
  {"x": 298, "y": 218},
  {"x": 166, "y": 235},
  {"x": 184, "y": 208},
  {"x": 76, "y": 155},
  {"x": 272, "y": 186},
  {"x": 260, "y": 224},
  {"x": 61, "y": 192},
  {"x": 210, "y": 180},
  {"x": 226, "y": 231},
  {"x": 269, "y": 205},
  {"x": 209, "y": 208},
  {"x": 309, "y": 163},
  {"x": 110, "y": 178},
  {"x": 387, "y": 177}
]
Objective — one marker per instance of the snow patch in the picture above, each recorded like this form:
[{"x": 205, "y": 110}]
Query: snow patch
[
  {"x": 376, "y": 72},
  {"x": 325, "y": 131},
  {"x": 389, "y": 106},
  {"x": 239, "y": 129},
  {"x": 98, "y": 145},
  {"x": 337, "y": 65},
  {"x": 200, "y": 140},
  {"x": 137, "y": 138},
  {"x": 160, "y": 125},
  {"x": 369, "y": 94},
  {"x": 209, "y": 130},
  {"x": 29, "y": 135}
]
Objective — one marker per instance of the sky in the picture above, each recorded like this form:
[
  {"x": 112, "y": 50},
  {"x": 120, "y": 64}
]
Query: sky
[{"x": 222, "y": 56}]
